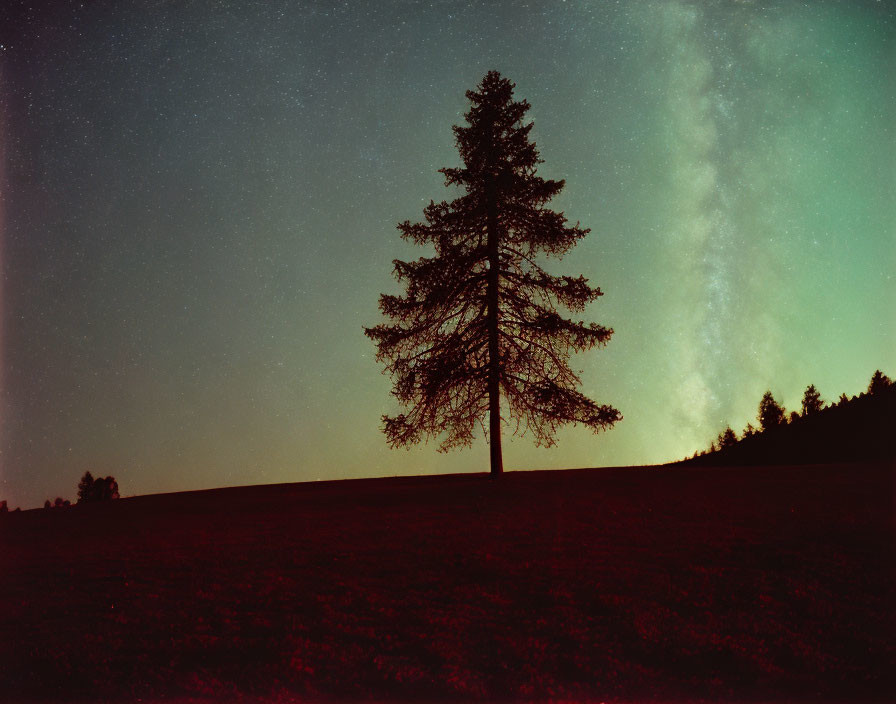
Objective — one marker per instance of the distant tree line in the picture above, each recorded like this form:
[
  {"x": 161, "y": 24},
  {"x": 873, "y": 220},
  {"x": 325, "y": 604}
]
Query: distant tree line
[
  {"x": 848, "y": 429},
  {"x": 90, "y": 490}
]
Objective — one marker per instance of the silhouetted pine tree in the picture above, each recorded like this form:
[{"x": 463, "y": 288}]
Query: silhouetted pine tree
[
  {"x": 480, "y": 319},
  {"x": 879, "y": 382},
  {"x": 770, "y": 414},
  {"x": 727, "y": 438},
  {"x": 85, "y": 488},
  {"x": 812, "y": 402}
]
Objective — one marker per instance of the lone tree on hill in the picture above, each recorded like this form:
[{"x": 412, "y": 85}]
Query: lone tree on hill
[
  {"x": 771, "y": 414},
  {"x": 480, "y": 319},
  {"x": 812, "y": 402}
]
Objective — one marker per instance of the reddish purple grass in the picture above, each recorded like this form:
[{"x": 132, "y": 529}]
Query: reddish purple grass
[{"x": 667, "y": 584}]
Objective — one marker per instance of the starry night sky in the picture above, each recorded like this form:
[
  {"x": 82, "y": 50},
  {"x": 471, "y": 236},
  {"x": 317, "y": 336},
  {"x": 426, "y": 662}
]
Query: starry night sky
[{"x": 199, "y": 203}]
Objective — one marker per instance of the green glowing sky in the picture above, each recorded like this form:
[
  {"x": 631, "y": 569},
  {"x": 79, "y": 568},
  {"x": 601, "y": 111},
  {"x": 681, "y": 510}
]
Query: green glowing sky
[{"x": 199, "y": 204}]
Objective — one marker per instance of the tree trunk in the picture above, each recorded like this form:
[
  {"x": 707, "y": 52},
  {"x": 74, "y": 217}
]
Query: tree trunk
[{"x": 494, "y": 362}]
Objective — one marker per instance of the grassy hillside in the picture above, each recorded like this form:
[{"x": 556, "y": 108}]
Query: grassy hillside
[{"x": 650, "y": 584}]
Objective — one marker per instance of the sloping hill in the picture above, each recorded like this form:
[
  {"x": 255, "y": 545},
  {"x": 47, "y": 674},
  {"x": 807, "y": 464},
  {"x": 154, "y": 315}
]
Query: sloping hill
[{"x": 646, "y": 584}]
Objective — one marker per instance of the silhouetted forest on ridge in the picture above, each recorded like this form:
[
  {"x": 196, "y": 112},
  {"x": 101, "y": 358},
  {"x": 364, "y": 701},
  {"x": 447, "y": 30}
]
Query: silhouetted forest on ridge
[{"x": 856, "y": 429}]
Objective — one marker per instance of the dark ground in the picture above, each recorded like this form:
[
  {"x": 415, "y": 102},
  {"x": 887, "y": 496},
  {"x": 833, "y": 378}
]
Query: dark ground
[{"x": 656, "y": 584}]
